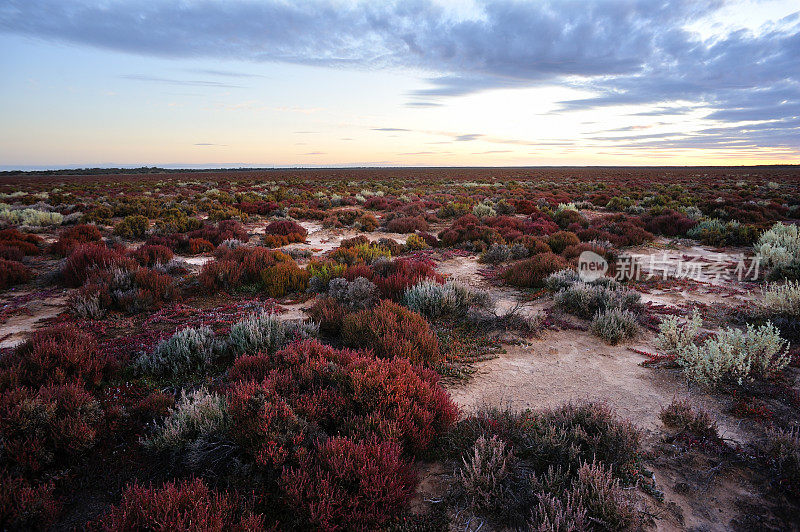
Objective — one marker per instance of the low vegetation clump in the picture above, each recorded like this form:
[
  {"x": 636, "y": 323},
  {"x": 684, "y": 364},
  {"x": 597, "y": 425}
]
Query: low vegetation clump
[
  {"x": 779, "y": 247},
  {"x": 432, "y": 299},
  {"x": 730, "y": 355},
  {"x": 783, "y": 449},
  {"x": 533, "y": 469},
  {"x": 253, "y": 267},
  {"x": 13, "y": 273},
  {"x": 391, "y": 330},
  {"x": 585, "y": 300},
  {"x": 690, "y": 421},
  {"x": 198, "y": 421},
  {"x": 30, "y": 217},
  {"x": 69, "y": 238},
  {"x": 615, "y": 325},
  {"x": 716, "y": 232},
  {"x": 532, "y": 272},
  {"x": 265, "y": 332},
  {"x": 188, "y": 351},
  {"x": 184, "y": 505},
  {"x": 133, "y": 226}
]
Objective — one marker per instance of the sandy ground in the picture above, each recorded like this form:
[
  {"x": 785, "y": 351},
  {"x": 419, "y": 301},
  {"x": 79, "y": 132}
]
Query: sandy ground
[{"x": 30, "y": 317}]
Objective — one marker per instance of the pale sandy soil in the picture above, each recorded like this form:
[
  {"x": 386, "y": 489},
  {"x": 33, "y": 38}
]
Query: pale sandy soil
[{"x": 27, "y": 319}]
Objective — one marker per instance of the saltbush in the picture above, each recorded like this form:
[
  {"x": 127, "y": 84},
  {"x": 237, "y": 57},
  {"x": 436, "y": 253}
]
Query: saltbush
[
  {"x": 265, "y": 332},
  {"x": 614, "y": 325},
  {"x": 779, "y": 246},
  {"x": 187, "y": 351},
  {"x": 432, "y": 299}
]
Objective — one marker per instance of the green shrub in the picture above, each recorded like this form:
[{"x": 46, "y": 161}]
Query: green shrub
[
  {"x": 185, "y": 352},
  {"x": 779, "y": 246},
  {"x": 614, "y": 325},
  {"x": 265, "y": 332},
  {"x": 585, "y": 300},
  {"x": 674, "y": 336},
  {"x": 758, "y": 352},
  {"x": 133, "y": 226},
  {"x": 195, "y": 422},
  {"x": 432, "y": 299}
]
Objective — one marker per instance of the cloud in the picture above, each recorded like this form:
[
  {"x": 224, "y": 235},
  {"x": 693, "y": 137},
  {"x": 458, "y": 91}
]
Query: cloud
[
  {"x": 467, "y": 137},
  {"x": 387, "y": 129},
  {"x": 624, "y": 52},
  {"x": 184, "y": 82}
]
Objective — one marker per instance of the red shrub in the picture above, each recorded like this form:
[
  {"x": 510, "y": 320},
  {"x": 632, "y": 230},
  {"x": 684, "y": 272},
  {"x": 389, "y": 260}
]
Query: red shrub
[
  {"x": 329, "y": 314},
  {"x": 25, "y": 506},
  {"x": 47, "y": 426},
  {"x": 286, "y": 228},
  {"x": 339, "y": 391},
  {"x": 407, "y": 224},
  {"x": 392, "y": 330},
  {"x": 619, "y": 229},
  {"x": 200, "y": 245},
  {"x": 183, "y": 506},
  {"x": 532, "y": 272},
  {"x": 669, "y": 223},
  {"x": 59, "y": 355},
  {"x": 11, "y": 253},
  {"x": 71, "y": 237},
  {"x": 27, "y": 244},
  {"x": 149, "y": 255},
  {"x": 376, "y": 203},
  {"x": 264, "y": 424},
  {"x": 262, "y": 208},
  {"x": 13, "y": 273},
  {"x": 225, "y": 230},
  {"x": 469, "y": 229},
  {"x": 349, "y": 485},
  {"x": 392, "y": 278},
  {"x": 86, "y": 258},
  {"x": 155, "y": 287}
]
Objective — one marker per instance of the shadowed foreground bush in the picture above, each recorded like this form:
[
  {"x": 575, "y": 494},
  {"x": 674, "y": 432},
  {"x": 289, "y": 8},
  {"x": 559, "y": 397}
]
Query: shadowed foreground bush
[{"x": 186, "y": 505}]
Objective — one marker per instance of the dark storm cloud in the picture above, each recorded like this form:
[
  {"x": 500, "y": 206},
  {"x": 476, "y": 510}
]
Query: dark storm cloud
[{"x": 624, "y": 51}]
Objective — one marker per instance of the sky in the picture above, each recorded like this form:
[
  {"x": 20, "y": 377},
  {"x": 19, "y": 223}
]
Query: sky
[{"x": 229, "y": 83}]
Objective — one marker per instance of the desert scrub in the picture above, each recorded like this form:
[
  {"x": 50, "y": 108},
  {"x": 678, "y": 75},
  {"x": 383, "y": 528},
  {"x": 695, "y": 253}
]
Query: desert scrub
[
  {"x": 496, "y": 254},
  {"x": 532, "y": 272},
  {"x": 585, "y": 300},
  {"x": 615, "y": 325},
  {"x": 781, "y": 299},
  {"x": 30, "y": 217},
  {"x": 674, "y": 336},
  {"x": 415, "y": 243},
  {"x": 530, "y": 469},
  {"x": 187, "y": 351},
  {"x": 682, "y": 416},
  {"x": 758, "y": 352},
  {"x": 391, "y": 330},
  {"x": 432, "y": 299},
  {"x": 360, "y": 293},
  {"x": 265, "y": 332},
  {"x": 133, "y": 226},
  {"x": 195, "y": 423},
  {"x": 783, "y": 448},
  {"x": 779, "y": 246}
]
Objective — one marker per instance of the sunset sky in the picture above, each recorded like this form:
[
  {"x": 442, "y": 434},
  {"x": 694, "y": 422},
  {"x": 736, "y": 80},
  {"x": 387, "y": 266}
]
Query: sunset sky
[{"x": 197, "y": 83}]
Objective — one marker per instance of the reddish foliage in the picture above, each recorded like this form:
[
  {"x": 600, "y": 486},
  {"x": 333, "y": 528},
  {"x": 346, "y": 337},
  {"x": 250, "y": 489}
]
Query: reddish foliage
[
  {"x": 392, "y": 278},
  {"x": 24, "y": 506},
  {"x": 619, "y": 229},
  {"x": 13, "y": 273},
  {"x": 225, "y": 230},
  {"x": 407, "y": 224},
  {"x": 391, "y": 330},
  {"x": 200, "y": 245},
  {"x": 469, "y": 229},
  {"x": 149, "y": 255},
  {"x": 669, "y": 223},
  {"x": 88, "y": 258},
  {"x": 71, "y": 237},
  {"x": 262, "y": 208},
  {"x": 183, "y": 506},
  {"x": 235, "y": 267},
  {"x": 47, "y": 426},
  {"x": 348, "y": 484},
  {"x": 27, "y": 244},
  {"x": 59, "y": 355},
  {"x": 532, "y": 272},
  {"x": 11, "y": 253},
  {"x": 264, "y": 424},
  {"x": 561, "y": 240},
  {"x": 286, "y": 228}
]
